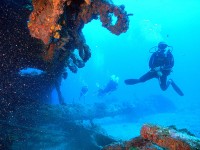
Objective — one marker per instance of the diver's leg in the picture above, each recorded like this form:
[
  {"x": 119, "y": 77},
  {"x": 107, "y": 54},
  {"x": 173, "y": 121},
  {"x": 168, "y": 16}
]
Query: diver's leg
[
  {"x": 131, "y": 81},
  {"x": 164, "y": 84},
  {"x": 149, "y": 75}
]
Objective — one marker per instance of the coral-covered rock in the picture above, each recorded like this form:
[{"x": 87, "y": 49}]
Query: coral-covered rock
[
  {"x": 45, "y": 34},
  {"x": 61, "y": 21},
  {"x": 158, "y": 138},
  {"x": 134, "y": 144},
  {"x": 43, "y": 20},
  {"x": 169, "y": 138}
]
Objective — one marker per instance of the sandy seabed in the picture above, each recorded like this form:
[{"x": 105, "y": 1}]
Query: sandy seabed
[{"x": 121, "y": 128}]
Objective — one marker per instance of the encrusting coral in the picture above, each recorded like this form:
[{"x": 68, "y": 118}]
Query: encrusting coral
[
  {"x": 88, "y": 2},
  {"x": 43, "y": 20},
  {"x": 59, "y": 25},
  {"x": 46, "y": 34},
  {"x": 154, "y": 137}
]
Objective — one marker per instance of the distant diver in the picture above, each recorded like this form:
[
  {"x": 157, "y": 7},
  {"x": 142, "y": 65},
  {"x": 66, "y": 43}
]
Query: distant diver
[
  {"x": 83, "y": 92},
  {"x": 110, "y": 87},
  {"x": 161, "y": 64}
]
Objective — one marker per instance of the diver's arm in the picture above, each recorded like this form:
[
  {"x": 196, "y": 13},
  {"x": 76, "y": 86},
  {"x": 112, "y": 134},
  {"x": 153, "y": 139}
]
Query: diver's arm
[
  {"x": 151, "y": 61},
  {"x": 170, "y": 63}
]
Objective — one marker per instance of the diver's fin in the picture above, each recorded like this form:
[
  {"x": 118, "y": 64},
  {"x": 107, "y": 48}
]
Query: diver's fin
[
  {"x": 176, "y": 88},
  {"x": 131, "y": 81}
]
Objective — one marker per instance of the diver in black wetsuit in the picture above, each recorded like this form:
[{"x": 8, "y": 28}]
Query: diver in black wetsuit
[{"x": 161, "y": 64}]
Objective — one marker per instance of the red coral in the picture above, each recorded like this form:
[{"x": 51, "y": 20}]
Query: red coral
[
  {"x": 163, "y": 138},
  {"x": 43, "y": 20},
  {"x": 155, "y": 137},
  {"x": 105, "y": 10},
  {"x": 59, "y": 25}
]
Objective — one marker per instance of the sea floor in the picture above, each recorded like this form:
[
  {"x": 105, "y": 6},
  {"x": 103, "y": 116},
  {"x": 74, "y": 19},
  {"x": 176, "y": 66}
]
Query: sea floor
[{"x": 120, "y": 128}]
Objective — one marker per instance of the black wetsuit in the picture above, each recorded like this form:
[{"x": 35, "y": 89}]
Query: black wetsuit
[{"x": 163, "y": 60}]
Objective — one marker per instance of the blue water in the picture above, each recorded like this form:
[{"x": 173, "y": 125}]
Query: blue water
[{"x": 174, "y": 21}]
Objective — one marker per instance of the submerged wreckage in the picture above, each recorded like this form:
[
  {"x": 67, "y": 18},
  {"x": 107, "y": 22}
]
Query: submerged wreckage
[{"x": 44, "y": 34}]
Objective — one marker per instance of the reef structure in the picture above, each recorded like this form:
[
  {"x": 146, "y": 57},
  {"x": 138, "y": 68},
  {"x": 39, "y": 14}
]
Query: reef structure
[
  {"x": 43, "y": 19},
  {"x": 46, "y": 34},
  {"x": 59, "y": 25},
  {"x": 37, "y": 126},
  {"x": 170, "y": 138},
  {"x": 154, "y": 137}
]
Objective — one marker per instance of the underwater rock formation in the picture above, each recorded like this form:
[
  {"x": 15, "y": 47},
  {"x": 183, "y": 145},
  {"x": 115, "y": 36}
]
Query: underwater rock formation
[
  {"x": 43, "y": 19},
  {"x": 159, "y": 138},
  {"x": 18, "y": 50},
  {"x": 35, "y": 126},
  {"x": 45, "y": 34},
  {"x": 170, "y": 138},
  {"x": 59, "y": 25}
]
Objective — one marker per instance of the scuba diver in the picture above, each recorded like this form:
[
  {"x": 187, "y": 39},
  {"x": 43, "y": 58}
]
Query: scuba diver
[
  {"x": 84, "y": 91},
  {"x": 161, "y": 64},
  {"x": 110, "y": 87}
]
